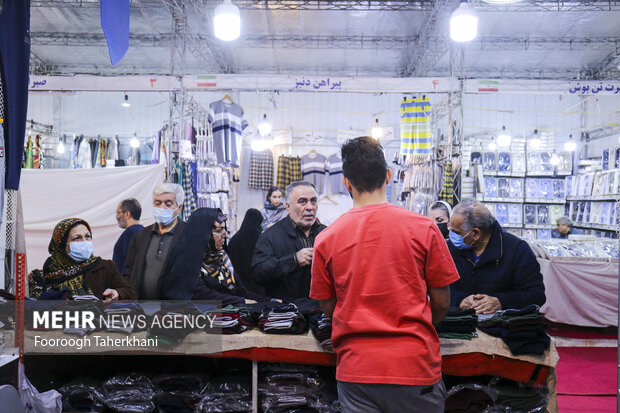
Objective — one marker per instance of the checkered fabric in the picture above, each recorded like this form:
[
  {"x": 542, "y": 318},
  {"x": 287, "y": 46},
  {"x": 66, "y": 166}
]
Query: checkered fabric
[
  {"x": 261, "y": 170},
  {"x": 189, "y": 203},
  {"x": 289, "y": 170},
  {"x": 446, "y": 193}
]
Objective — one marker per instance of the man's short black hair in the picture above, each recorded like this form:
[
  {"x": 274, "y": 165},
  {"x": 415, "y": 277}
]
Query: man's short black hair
[
  {"x": 133, "y": 206},
  {"x": 363, "y": 163}
]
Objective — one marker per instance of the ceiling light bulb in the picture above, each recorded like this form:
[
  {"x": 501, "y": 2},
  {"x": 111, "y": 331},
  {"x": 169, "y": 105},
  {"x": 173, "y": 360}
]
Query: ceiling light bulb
[
  {"x": 555, "y": 160},
  {"x": 134, "y": 142},
  {"x": 227, "y": 22},
  {"x": 492, "y": 146},
  {"x": 126, "y": 103},
  {"x": 264, "y": 127},
  {"x": 463, "y": 24},
  {"x": 504, "y": 139},
  {"x": 60, "y": 148},
  {"x": 377, "y": 130},
  {"x": 570, "y": 145}
]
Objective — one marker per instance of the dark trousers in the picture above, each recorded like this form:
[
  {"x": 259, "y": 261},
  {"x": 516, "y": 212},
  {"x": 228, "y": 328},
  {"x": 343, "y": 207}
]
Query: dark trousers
[{"x": 391, "y": 398}]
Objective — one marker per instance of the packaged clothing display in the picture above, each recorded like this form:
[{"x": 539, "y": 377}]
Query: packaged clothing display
[
  {"x": 228, "y": 122},
  {"x": 501, "y": 213},
  {"x": 261, "y": 170},
  {"x": 515, "y": 188},
  {"x": 543, "y": 233},
  {"x": 489, "y": 162},
  {"x": 534, "y": 161},
  {"x": 313, "y": 169},
  {"x": 519, "y": 397},
  {"x": 230, "y": 320},
  {"x": 543, "y": 215},
  {"x": 565, "y": 164},
  {"x": 490, "y": 187},
  {"x": 515, "y": 214},
  {"x": 476, "y": 158},
  {"x": 131, "y": 393},
  {"x": 503, "y": 162},
  {"x": 545, "y": 189},
  {"x": 321, "y": 327},
  {"x": 529, "y": 214},
  {"x": 518, "y": 163},
  {"x": 503, "y": 187},
  {"x": 556, "y": 212},
  {"x": 532, "y": 188},
  {"x": 282, "y": 319}
]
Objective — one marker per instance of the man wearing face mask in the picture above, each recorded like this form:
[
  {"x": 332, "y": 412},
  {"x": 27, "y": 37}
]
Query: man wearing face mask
[
  {"x": 498, "y": 270},
  {"x": 148, "y": 250}
]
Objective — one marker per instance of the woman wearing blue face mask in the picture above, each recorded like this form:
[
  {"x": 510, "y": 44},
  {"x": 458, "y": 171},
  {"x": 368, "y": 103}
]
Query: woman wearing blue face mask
[{"x": 72, "y": 267}]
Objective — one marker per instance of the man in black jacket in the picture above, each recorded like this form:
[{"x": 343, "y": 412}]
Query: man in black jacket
[
  {"x": 497, "y": 269},
  {"x": 283, "y": 255},
  {"x": 147, "y": 255}
]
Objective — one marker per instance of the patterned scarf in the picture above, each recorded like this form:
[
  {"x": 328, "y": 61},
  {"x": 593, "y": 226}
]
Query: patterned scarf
[
  {"x": 218, "y": 265},
  {"x": 61, "y": 272}
]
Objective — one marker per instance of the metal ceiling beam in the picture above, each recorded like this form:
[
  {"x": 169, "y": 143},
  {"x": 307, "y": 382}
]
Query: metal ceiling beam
[
  {"x": 431, "y": 45},
  {"x": 532, "y": 73},
  {"x": 40, "y": 67},
  {"x": 364, "y": 5},
  {"x": 609, "y": 64}
]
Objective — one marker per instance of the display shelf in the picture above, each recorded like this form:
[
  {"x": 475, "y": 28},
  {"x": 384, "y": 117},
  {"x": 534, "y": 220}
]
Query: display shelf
[
  {"x": 8, "y": 354},
  {"x": 505, "y": 174},
  {"x": 594, "y": 198},
  {"x": 538, "y": 226},
  {"x": 507, "y": 200},
  {"x": 600, "y": 227},
  {"x": 562, "y": 174},
  {"x": 544, "y": 201},
  {"x": 512, "y": 225}
]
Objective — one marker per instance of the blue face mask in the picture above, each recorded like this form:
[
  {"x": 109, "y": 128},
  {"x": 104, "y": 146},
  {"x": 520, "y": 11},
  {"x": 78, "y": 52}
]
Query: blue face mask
[
  {"x": 80, "y": 250},
  {"x": 458, "y": 241},
  {"x": 163, "y": 216}
]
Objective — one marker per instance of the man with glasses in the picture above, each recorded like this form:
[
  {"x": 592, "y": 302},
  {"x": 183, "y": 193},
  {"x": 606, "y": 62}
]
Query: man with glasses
[
  {"x": 498, "y": 270},
  {"x": 283, "y": 254},
  {"x": 148, "y": 249}
]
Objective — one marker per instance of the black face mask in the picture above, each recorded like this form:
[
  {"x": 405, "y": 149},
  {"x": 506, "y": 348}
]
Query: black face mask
[{"x": 443, "y": 227}]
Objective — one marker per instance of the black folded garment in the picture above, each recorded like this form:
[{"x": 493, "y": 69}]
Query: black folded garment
[
  {"x": 468, "y": 401},
  {"x": 525, "y": 342},
  {"x": 187, "y": 383},
  {"x": 82, "y": 395},
  {"x": 176, "y": 402},
  {"x": 282, "y": 319},
  {"x": 230, "y": 394}
]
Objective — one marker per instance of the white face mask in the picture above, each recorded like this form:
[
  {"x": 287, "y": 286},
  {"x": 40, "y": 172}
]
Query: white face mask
[
  {"x": 163, "y": 216},
  {"x": 80, "y": 250}
]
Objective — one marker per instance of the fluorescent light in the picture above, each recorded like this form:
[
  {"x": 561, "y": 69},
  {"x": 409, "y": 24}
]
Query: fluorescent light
[
  {"x": 227, "y": 22},
  {"x": 503, "y": 139},
  {"x": 126, "y": 103},
  {"x": 264, "y": 127},
  {"x": 463, "y": 24},
  {"x": 570, "y": 145},
  {"x": 377, "y": 130}
]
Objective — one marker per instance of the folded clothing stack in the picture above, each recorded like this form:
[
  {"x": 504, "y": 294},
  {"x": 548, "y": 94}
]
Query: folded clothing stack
[
  {"x": 92, "y": 306},
  {"x": 459, "y": 323},
  {"x": 321, "y": 327},
  {"x": 286, "y": 388},
  {"x": 82, "y": 395},
  {"x": 132, "y": 393},
  {"x": 123, "y": 317},
  {"x": 229, "y": 320},
  {"x": 177, "y": 392},
  {"x": 519, "y": 397},
  {"x": 282, "y": 319},
  {"x": 522, "y": 330}
]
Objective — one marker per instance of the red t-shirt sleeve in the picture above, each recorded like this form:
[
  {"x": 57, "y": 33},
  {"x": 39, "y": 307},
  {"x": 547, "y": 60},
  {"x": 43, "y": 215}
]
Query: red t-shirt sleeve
[
  {"x": 439, "y": 268},
  {"x": 322, "y": 284}
]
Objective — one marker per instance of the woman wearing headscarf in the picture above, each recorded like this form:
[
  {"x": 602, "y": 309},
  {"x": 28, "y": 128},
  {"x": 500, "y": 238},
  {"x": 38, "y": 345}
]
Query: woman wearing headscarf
[
  {"x": 199, "y": 267},
  {"x": 440, "y": 213},
  {"x": 275, "y": 208},
  {"x": 73, "y": 267},
  {"x": 241, "y": 249}
]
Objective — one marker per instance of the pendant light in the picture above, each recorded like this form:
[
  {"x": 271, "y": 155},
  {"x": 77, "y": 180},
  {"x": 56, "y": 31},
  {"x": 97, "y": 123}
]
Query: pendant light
[
  {"x": 134, "y": 142},
  {"x": 61, "y": 146},
  {"x": 492, "y": 145},
  {"x": 504, "y": 139},
  {"x": 570, "y": 145},
  {"x": 555, "y": 159},
  {"x": 126, "y": 103},
  {"x": 464, "y": 23},
  {"x": 227, "y": 22},
  {"x": 377, "y": 130},
  {"x": 264, "y": 127}
]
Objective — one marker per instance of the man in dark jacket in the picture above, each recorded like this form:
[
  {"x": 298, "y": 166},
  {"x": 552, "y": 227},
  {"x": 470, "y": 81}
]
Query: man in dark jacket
[
  {"x": 497, "y": 269},
  {"x": 147, "y": 255},
  {"x": 283, "y": 256}
]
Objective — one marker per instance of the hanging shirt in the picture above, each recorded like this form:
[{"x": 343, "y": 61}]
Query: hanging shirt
[
  {"x": 29, "y": 163},
  {"x": 228, "y": 122},
  {"x": 334, "y": 169},
  {"x": 84, "y": 157},
  {"x": 415, "y": 127},
  {"x": 313, "y": 170}
]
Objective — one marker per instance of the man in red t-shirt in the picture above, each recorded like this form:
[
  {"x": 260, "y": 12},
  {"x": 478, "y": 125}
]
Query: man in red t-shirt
[{"x": 383, "y": 273}]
